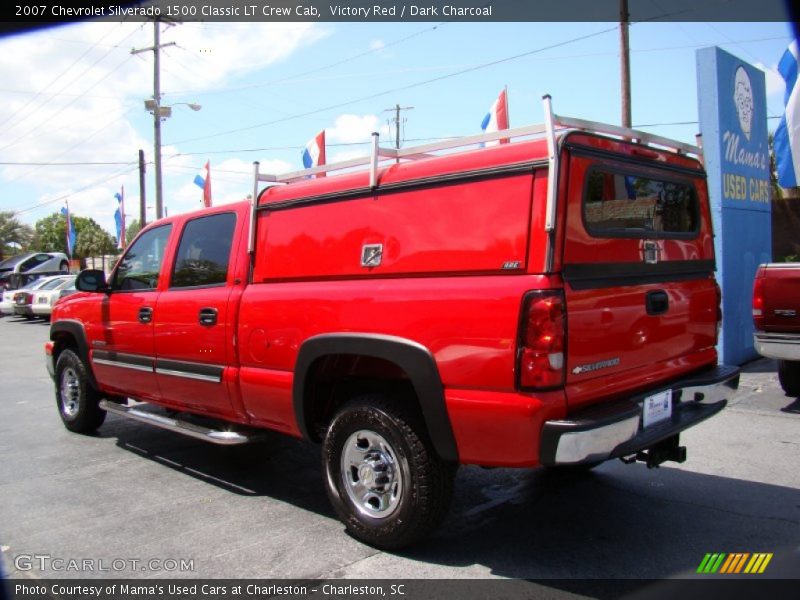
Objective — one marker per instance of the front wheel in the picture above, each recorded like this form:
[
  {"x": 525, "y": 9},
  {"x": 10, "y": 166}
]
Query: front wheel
[
  {"x": 383, "y": 477},
  {"x": 78, "y": 402}
]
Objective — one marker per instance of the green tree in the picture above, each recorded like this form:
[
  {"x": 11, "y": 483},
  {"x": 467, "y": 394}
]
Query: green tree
[
  {"x": 132, "y": 230},
  {"x": 90, "y": 238},
  {"x": 14, "y": 236},
  {"x": 785, "y": 215},
  {"x": 50, "y": 234},
  {"x": 777, "y": 191}
]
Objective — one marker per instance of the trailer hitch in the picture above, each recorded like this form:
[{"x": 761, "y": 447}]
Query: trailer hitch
[{"x": 668, "y": 449}]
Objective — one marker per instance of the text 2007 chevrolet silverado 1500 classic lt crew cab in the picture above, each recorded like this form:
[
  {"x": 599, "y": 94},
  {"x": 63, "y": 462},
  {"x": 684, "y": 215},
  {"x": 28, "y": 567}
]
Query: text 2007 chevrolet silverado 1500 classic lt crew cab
[{"x": 547, "y": 302}]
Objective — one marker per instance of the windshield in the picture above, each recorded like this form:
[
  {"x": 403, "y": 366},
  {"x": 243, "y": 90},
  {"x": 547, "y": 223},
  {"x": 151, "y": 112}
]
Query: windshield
[{"x": 52, "y": 284}]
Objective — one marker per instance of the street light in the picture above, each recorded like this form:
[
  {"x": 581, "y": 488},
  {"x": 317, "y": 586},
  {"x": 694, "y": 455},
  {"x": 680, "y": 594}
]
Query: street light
[{"x": 160, "y": 113}]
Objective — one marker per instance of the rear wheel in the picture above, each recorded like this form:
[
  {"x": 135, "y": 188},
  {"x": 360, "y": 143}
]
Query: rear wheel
[
  {"x": 64, "y": 267},
  {"x": 78, "y": 402},
  {"x": 383, "y": 477},
  {"x": 789, "y": 376}
]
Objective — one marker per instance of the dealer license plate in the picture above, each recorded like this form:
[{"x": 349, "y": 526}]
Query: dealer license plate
[{"x": 657, "y": 408}]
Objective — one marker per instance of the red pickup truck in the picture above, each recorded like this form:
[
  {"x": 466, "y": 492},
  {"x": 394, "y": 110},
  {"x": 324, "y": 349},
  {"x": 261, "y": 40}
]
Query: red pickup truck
[
  {"x": 776, "y": 316},
  {"x": 547, "y": 302}
]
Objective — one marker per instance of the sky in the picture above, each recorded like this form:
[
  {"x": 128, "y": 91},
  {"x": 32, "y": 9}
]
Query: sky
[{"x": 72, "y": 116}]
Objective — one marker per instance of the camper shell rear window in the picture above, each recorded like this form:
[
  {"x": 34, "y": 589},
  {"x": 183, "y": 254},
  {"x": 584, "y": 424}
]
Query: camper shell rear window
[{"x": 619, "y": 203}]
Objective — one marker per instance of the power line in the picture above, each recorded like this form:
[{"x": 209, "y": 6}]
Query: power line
[
  {"x": 315, "y": 69},
  {"x": 68, "y": 150},
  {"x": 52, "y": 83},
  {"x": 63, "y": 108},
  {"x": 86, "y": 70},
  {"x": 64, "y": 164},
  {"x": 69, "y": 195},
  {"x": 399, "y": 89},
  {"x": 275, "y": 148}
]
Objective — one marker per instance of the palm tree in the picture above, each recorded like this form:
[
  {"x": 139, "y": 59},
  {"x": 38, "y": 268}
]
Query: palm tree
[{"x": 14, "y": 236}]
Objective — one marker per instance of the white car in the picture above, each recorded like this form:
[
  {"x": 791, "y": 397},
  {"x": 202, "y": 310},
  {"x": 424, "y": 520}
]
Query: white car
[
  {"x": 46, "y": 296},
  {"x": 18, "y": 301}
]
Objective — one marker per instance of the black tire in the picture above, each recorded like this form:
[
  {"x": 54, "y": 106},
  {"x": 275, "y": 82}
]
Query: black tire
[
  {"x": 382, "y": 475},
  {"x": 77, "y": 401},
  {"x": 64, "y": 267},
  {"x": 789, "y": 376}
]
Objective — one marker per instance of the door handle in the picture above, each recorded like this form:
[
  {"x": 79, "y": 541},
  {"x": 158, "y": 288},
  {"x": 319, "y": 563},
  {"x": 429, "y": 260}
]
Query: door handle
[
  {"x": 145, "y": 315},
  {"x": 208, "y": 316},
  {"x": 657, "y": 302}
]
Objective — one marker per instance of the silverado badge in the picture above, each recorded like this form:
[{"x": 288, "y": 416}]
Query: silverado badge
[{"x": 603, "y": 364}]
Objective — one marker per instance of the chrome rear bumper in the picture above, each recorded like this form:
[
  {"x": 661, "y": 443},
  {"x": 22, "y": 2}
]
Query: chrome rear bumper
[
  {"x": 781, "y": 346},
  {"x": 614, "y": 429}
]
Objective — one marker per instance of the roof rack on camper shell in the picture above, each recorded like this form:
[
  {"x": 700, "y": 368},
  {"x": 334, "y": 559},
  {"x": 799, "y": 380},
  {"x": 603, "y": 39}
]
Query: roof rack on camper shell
[{"x": 553, "y": 124}]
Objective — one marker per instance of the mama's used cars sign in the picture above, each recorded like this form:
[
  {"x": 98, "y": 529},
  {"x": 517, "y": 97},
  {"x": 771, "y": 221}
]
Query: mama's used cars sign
[
  {"x": 733, "y": 121},
  {"x": 745, "y": 158}
]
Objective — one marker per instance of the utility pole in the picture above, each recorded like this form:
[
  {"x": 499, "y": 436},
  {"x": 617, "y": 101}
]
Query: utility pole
[
  {"x": 396, "y": 110},
  {"x": 142, "y": 202},
  {"x": 625, "y": 62},
  {"x": 157, "y": 113}
]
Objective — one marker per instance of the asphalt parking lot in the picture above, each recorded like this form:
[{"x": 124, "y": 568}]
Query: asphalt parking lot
[{"x": 132, "y": 495}]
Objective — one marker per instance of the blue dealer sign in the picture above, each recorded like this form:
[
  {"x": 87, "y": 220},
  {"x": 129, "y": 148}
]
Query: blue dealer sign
[{"x": 733, "y": 121}]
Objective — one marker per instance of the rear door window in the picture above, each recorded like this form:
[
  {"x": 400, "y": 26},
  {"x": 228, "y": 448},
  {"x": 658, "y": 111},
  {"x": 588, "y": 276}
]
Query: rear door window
[
  {"x": 204, "y": 252},
  {"x": 620, "y": 204}
]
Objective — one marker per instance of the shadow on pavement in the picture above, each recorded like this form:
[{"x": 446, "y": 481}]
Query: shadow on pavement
[{"x": 616, "y": 522}]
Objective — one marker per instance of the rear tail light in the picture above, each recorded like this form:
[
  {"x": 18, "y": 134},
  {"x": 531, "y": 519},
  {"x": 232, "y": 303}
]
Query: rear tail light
[
  {"x": 22, "y": 298},
  {"x": 542, "y": 341},
  {"x": 758, "y": 299}
]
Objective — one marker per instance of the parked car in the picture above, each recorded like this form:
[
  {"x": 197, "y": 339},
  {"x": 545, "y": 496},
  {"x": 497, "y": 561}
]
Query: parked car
[
  {"x": 22, "y": 300},
  {"x": 46, "y": 297},
  {"x": 67, "y": 291},
  {"x": 7, "y": 304},
  {"x": 18, "y": 271},
  {"x": 776, "y": 317}
]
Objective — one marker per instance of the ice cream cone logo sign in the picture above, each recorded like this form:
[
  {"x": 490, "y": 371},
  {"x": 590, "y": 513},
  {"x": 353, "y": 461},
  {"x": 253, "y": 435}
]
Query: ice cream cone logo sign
[
  {"x": 743, "y": 99},
  {"x": 745, "y": 161}
]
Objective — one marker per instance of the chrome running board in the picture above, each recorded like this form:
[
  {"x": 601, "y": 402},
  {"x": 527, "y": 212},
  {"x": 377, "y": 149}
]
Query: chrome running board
[{"x": 215, "y": 436}]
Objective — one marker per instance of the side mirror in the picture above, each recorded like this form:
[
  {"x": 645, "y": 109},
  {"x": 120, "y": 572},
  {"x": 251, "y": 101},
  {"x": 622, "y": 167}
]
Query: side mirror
[{"x": 91, "y": 280}]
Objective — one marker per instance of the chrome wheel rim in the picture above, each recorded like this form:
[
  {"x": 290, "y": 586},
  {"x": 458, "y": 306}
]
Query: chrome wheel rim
[
  {"x": 70, "y": 392},
  {"x": 371, "y": 474}
]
